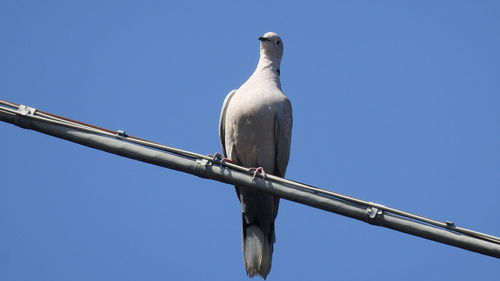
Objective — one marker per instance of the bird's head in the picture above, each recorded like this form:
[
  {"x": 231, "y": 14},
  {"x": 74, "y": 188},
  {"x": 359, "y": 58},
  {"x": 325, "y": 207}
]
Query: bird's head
[{"x": 271, "y": 45}]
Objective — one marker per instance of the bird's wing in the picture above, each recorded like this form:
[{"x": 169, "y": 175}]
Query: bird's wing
[
  {"x": 222, "y": 121},
  {"x": 282, "y": 137}
]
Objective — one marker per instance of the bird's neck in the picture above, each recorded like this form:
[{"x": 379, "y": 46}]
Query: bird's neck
[
  {"x": 269, "y": 68},
  {"x": 266, "y": 62}
]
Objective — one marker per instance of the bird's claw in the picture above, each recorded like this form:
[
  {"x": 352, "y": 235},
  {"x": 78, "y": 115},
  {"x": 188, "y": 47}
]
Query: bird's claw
[
  {"x": 255, "y": 171},
  {"x": 217, "y": 157}
]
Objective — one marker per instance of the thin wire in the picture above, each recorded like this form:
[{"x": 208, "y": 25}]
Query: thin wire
[
  {"x": 9, "y": 103},
  {"x": 49, "y": 117},
  {"x": 52, "y": 118}
]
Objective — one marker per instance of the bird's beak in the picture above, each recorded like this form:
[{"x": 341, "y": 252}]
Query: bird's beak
[{"x": 263, "y": 39}]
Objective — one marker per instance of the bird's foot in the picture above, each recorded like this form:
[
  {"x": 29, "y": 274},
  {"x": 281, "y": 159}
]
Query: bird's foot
[
  {"x": 255, "y": 171},
  {"x": 217, "y": 157}
]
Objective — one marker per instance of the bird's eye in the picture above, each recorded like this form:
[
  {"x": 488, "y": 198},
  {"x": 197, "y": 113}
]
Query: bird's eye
[{"x": 278, "y": 42}]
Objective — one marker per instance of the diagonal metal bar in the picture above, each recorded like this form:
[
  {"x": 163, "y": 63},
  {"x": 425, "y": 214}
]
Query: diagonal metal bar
[{"x": 207, "y": 167}]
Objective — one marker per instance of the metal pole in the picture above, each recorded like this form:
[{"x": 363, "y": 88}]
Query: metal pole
[{"x": 207, "y": 169}]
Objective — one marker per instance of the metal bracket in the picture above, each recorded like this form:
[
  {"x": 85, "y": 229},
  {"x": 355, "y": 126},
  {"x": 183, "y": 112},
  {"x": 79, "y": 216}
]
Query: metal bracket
[
  {"x": 203, "y": 162},
  {"x": 372, "y": 213},
  {"x": 22, "y": 119},
  {"x": 121, "y": 134},
  {"x": 26, "y": 110},
  {"x": 200, "y": 168},
  {"x": 216, "y": 158}
]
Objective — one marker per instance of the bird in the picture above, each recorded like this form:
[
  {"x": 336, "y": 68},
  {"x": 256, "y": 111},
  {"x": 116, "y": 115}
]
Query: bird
[{"x": 255, "y": 129}]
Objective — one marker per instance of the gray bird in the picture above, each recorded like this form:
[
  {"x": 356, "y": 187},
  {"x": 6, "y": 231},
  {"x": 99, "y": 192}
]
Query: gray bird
[{"x": 255, "y": 129}]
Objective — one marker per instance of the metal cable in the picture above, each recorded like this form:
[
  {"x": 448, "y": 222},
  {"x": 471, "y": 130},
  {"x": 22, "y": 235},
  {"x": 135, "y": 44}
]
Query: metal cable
[{"x": 52, "y": 118}]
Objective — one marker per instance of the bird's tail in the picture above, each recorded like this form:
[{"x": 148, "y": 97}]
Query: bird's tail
[{"x": 257, "y": 251}]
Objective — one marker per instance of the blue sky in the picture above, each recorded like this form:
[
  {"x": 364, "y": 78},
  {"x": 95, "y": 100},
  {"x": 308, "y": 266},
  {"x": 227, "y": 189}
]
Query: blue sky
[{"x": 394, "y": 102}]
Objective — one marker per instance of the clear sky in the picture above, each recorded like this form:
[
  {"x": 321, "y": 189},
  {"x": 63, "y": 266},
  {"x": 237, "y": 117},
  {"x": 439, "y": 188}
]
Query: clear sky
[{"x": 394, "y": 102}]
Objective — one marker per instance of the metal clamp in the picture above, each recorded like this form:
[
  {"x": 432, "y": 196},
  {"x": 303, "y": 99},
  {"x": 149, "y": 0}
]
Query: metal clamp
[
  {"x": 121, "y": 134},
  {"x": 22, "y": 119},
  {"x": 450, "y": 224},
  {"x": 372, "y": 213},
  {"x": 217, "y": 158},
  {"x": 200, "y": 168},
  {"x": 26, "y": 110}
]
